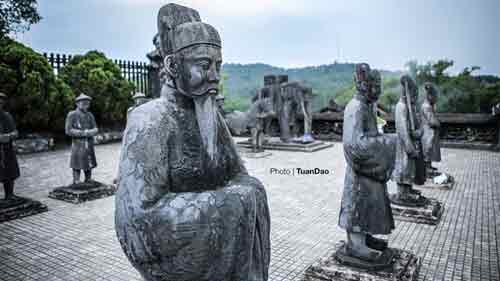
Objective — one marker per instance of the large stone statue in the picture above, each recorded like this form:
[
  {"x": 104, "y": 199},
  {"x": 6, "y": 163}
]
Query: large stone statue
[
  {"x": 81, "y": 127},
  {"x": 186, "y": 208},
  {"x": 408, "y": 149},
  {"x": 9, "y": 169},
  {"x": 12, "y": 206},
  {"x": 431, "y": 144},
  {"x": 365, "y": 208}
]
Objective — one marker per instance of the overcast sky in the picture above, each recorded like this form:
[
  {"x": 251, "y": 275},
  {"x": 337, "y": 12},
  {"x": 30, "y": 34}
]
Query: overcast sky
[{"x": 288, "y": 33}]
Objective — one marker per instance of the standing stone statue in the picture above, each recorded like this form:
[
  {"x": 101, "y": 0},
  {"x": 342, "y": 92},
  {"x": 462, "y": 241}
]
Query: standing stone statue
[
  {"x": 9, "y": 169},
  {"x": 430, "y": 124},
  {"x": 139, "y": 98},
  {"x": 186, "y": 208},
  {"x": 81, "y": 127},
  {"x": 407, "y": 148},
  {"x": 365, "y": 208}
]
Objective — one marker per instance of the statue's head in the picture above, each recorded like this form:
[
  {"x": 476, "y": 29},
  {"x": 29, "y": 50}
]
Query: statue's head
[
  {"x": 3, "y": 100},
  {"x": 83, "y": 102},
  {"x": 139, "y": 98},
  {"x": 192, "y": 51},
  {"x": 192, "y": 63},
  {"x": 269, "y": 80},
  {"x": 409, "y": 88},
  {"x": 431, "y": 92},
  {"x": 368, "y": 82}
]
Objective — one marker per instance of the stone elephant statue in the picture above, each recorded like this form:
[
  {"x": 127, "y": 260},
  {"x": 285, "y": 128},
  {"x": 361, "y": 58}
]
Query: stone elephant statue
[{"x": 295, "y": 99}]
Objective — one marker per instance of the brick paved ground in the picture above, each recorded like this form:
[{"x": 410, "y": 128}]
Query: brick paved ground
[{"x": 77, "y": 242}]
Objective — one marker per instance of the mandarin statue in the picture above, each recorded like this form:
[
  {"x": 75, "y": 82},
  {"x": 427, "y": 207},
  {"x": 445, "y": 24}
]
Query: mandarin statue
[
  {"x": 365, "y": 207},
  {"x": 409, "y": 167},
  {"x": 186, "y": 208},
  {"x": 81, "y": 127},
  {"x": 9, "y": 168},
  {"x": 431, "y": 144}
]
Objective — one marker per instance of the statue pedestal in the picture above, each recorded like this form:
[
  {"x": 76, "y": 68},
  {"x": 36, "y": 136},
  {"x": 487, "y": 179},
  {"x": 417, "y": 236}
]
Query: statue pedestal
[
  {"x": 430, "y": 213},
  {"x": 248, "y": 153},
  {"x": 277, "y": 144},
  {"x": 429, "y": 183},
  {"x": 78, "y": 193},
  {"x": 20, "y": 207},
  {"x": 404, "y": 267}
]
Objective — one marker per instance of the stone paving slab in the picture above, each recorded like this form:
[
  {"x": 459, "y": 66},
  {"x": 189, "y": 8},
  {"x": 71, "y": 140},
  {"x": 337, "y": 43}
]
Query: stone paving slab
[{"x": 78, "y": 242}]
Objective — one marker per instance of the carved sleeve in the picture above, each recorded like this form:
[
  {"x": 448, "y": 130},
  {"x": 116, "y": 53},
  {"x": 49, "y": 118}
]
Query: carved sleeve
[
  {"x": 69, "y": 129},
  {"x": 144, "y": 169}
]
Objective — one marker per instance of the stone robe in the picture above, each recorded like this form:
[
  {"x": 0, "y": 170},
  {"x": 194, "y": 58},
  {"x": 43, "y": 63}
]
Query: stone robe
[
  {"x": 181, "y": 215},
  {"x": 431, "y": 144},
  {"x": 369, "y": 155},
  {"x": 9, "y": 168},
  {"x": 82, "y": 147},
  {"x": 404, "y": 171}
]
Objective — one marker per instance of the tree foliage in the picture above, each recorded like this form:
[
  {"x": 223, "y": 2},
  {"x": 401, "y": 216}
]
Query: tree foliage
[
  {"x": 99, "y": 77},
  {"x": 38, "y": 99},
  {"x": 17, "y": 15}
]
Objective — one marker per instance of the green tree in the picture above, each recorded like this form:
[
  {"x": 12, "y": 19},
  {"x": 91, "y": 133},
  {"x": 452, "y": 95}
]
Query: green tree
[
  {"x": 17, "y": 15},
  {"x": 38, "y": 99},
  {"x": 99, "y": 77}
]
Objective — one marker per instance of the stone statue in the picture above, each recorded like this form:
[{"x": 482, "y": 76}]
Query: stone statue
[
  {"x": 430, "y": 124},
  {"x": 81, "y": 127},
  {"x": 9, "y": 169},
  {"x": 219, "y": 100},
  {"x": 155, "y": 66},
  {"x": 365, "y": 208},
  {"x": 186, "y": 208},
  {"x": 269, "y": 91},
  {"x": 407, "y": 149},
  {"x": 295, "y": 98},
  {"x": 139, "y": 98}
]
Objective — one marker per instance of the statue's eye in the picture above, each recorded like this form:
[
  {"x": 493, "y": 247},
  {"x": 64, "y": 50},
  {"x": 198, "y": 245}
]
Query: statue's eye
[{"x": 204, "y": 64}]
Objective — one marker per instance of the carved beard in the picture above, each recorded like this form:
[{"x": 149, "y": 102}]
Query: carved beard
[{"x": 206, "y": 115}]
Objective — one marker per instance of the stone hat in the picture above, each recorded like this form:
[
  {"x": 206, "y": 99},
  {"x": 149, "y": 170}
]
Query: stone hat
[
  {"x": 138, "y": 95},
  {"x": 3, "y": 96},
  {"x": 180, "y": 27},
  {"x": 82, "y": 97}
]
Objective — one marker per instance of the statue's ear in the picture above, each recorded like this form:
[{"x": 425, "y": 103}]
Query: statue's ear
[{"x": 171, "y": 66}]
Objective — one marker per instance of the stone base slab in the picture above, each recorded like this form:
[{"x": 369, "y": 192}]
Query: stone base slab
[
  {"x": 430, "y": 184},
  {"x": 20, "y": 207},
  {"x": 248, "y": 153},
  {"x": 277, "y": 144},
  {"x": 405, "y": 267},
  {"x": 429, "y": 214},
  {"x": 78, "y": 193}
]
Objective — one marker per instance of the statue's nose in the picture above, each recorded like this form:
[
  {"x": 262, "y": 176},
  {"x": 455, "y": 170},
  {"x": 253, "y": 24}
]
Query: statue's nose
[{"x": 213, "y": 75}]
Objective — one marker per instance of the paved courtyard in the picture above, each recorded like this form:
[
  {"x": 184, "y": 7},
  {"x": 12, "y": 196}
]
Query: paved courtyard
[{"x": 78, "y": 242}]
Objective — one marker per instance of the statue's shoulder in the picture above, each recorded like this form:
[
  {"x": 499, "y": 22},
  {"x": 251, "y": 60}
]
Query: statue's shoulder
[
  {"x": 71, "y": 114},
  {"x": 153, "y": 115},
  {"x": 354, "y": 105}
]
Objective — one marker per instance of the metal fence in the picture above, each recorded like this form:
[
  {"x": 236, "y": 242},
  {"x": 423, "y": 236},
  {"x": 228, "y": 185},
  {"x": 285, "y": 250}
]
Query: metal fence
[{"x": 134, "y": 71}]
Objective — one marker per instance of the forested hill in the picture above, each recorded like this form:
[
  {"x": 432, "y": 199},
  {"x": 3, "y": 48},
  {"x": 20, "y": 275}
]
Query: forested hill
[{"x": 242, "y": 80}]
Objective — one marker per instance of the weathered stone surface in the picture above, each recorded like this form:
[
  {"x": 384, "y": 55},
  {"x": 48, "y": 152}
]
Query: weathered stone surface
[
  {"x": 405, "y": 267},
  {"x": 19, "y": 207},
  {"x": 429, "y": 214},
  {"x": 81, "y": 192},
  {"x": 277, "y": 144},
  {"x": 248, "y": 153}
]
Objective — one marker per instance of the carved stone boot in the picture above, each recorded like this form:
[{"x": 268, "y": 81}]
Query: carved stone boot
[{"x": 356, "y": 247}]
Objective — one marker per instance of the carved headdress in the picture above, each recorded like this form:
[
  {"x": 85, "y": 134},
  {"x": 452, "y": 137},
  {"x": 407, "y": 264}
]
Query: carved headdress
[{"x": 180, "y": 27}]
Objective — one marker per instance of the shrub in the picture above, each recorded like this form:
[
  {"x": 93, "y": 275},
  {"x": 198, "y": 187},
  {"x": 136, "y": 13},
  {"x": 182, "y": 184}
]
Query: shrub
[
  {"x": 38, "y": 99},
  {"x": 99, "y": 77}
]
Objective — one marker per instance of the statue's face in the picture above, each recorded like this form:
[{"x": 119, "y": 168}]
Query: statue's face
[
  {"x": 374, "y": 89},
  {"x": 83, "y": 105},
  {"x": 199, "y": 70}
]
